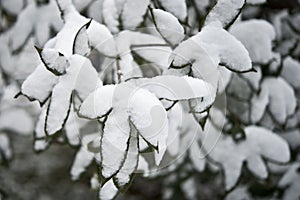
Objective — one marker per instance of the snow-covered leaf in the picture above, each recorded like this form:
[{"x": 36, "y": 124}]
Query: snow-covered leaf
[
  {"x": 257, "y": 36},
  {"x": 282, "y": 99},
  {"x": 258, "y": 144},
  {"x": 291, "y": 182},
  {"x": 80, "y": 77},
  {"x": 54, "y": 61},
  {"x": 225, "y": 12},
  {"x": 176, "y": 7},
  {"x": 108, "y": 191},
  {"x": 175, "y": 88},
  {"x": 127, "y": 14},
  {"x": 5, "y": 149},
  {"x": 291, "y": 72},
  {"x": 167, "y": 26},
  {"x": 81, "y": 43},
  {"x": 83, "y": 157}
]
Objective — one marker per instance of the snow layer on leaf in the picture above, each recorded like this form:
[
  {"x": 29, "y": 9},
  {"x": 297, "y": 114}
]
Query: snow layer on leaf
[
  {"x": 130, "y": 164},
  {"x": 108, "y": 191},
  {"x": 54, "y": 61},
  {"x": 149, "y": 47},
  {"x": 39, "y": 84},
  {"x": 80, "y": 77},
  {"x": 9, "y": 117},
  {"x": 231, "y": 52},
  {"x": 81, "y": 43},
  {"x": 176, "y": 88},
  {"x": 40, "y": 142},
  {"x": 175, "y": 120},
  {"x": 73, "y": 126},
  {"x": 98, "y": 103},
  {"x": 168, "y": 26},
  {"x": 257, "y": 36},
  {"x": 111, "y": 15},
  {"x": 196, "y": 156},
  {"x": 259, "y": 104},
  {"x": 150, "y": 119},
  {"x": 291, "y": 72},
  {"x": 259, "y": 142},
  {"x": 133, "y": 13},
  {"x": 176, "y": 7},
  {"x": 115, "y": 142},
  {"x": 282, "y": 98},
  {"x": 13, "y": 6},
  {"x": 253, "y": 78},
  {"x": 225, "y": 12},
  {"x": 255, "y": 2},
  {"x": 5, "y": 146},
  {"x": 290, "y": 182},
  {"x": 83, "y": 157},
  {"x": 101, "y": 39}
]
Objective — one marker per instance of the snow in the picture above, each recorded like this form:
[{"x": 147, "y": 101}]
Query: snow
[
  {"x": 81, "y": 77},
  {"x": 114, "y": 142},
  {"x": 83, "y": 157},
  {"x": 54, "y": 61},
  {"x": 9, "y": 117},
  {"x": 133, "y": 13},
  {"x": 5, "y": 146},
  {"x": 150, "y": 119},
  {"x": 231, "y": 52},
  {"x": 257, "y": 36},
  {"x": 98, "y": 103},
  {"x": 282, "y": 99},
  {"x": 40, "y": 142},
  {"x": 259, "y": 142},
  {"x": 81, "y": 43},
  {"x": 259, "y": 104},
  {"x": 291, "y": 72},
  {"x": 130, "y": 164},
  {"x": 256, "y": 2},
  {"x": 176, "y": 88},
  {"x": 225, "y": 12},
  {"x": 108, "y": 191},
  {"x": 13, "y": 6},
  {"x": 176, "y": 7},
  {"x": 168, "y": 26}
]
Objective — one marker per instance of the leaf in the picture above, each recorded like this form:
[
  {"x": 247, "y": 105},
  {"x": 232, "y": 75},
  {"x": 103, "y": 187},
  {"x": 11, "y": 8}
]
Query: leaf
[
  {"x": 37, "y": 20},
  {"x": 176, "y": 7},
  {"x": 54, "y": 61},
  {"x": 283, "y": 104},
  {"x": 73, "y": 127},
  {"x": 5, "y": 149},
  {"x": 81, "y": 43},
  {"x": 290, "y": 182},
  {"x": 80, "y": 77},
  {"x": 259, "y": 104},
  {"x": 127, "y": 14},
  {"x": 258, "y": 144},
  {"x": 133, "y": 13},
  {"x": 99, "y": 103},
  {"x": 175, "y": 88},
  {"x": 130, "y": 164},
  {"x": 150, "y": 119},
  {"x": 291, "y": 72},
  {"x": 83, "y": 157},
  {"x": 9, "y": 117},
  {"x": 257, "y": 36},
  {"x": 167, "y": 26},
  {"x": 40, "y": 140},
  {"x": 39, "y": 84},
  {"x": 115, "y": 141},
  {"x": 108, "y": 191},
  {"x": 225, "y": 12}
]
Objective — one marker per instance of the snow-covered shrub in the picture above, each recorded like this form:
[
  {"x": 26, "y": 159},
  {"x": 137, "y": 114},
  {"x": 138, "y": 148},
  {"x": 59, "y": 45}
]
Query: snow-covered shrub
[{"x": 164, "y": 89}]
